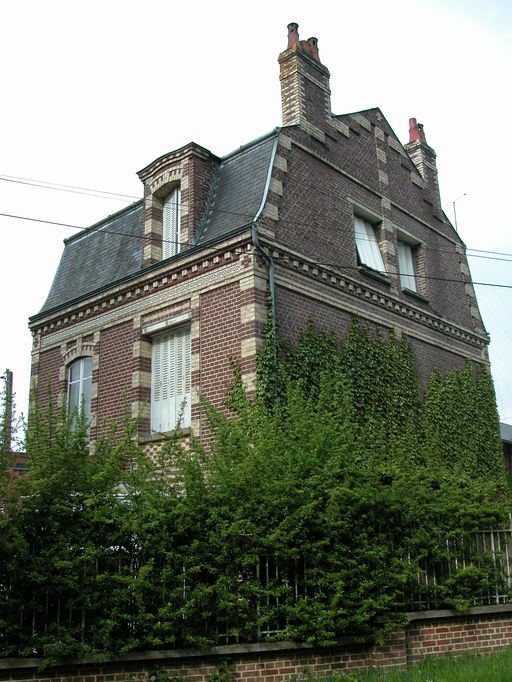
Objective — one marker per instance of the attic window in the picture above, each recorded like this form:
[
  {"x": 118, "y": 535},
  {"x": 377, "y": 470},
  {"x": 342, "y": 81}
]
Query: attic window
[
  {"x": 171, "y": 223},
  {"x": 407, "y": 257},
  {"x": 367, "y": 245}
]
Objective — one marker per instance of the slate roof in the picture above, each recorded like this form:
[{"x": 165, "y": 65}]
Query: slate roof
[
  {"x": 239, "y": 189},
  {"x": 98, "y": 256},
  {"x": 111, "y": 250}
]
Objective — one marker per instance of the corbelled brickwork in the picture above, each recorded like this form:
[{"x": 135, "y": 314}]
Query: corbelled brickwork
[{"x": 483, "y": 630}]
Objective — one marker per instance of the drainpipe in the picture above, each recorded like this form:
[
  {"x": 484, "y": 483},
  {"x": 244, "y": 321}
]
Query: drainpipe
[{"x": 269, "y": 263}]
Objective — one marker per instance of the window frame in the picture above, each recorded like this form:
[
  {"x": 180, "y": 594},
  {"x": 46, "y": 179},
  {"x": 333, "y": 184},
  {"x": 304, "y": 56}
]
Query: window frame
[
  {"x": 408, "y": 264},
  {"x": 171, "y": 223},
  {"x": 82, "y": 405},
  {"x": 169, "y": 348},
  {"x": 369, "y": 254}
]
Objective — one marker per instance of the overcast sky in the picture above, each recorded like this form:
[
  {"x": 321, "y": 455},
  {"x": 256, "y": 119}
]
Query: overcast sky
[{"x": 92, "y": 92}]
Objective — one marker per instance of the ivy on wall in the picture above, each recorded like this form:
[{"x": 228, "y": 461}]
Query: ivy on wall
[{"x": 453, "y": 428}]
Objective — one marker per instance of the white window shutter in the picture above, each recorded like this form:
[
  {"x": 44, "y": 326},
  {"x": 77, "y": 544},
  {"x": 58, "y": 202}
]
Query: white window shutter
[
  {"x": 170, "y": 380},
  {"x": 183, "y": 375},
  {"x": 406, "y": 266},
  {"x": 171, "y": 224},
  {"x": 367, "y": 244}
]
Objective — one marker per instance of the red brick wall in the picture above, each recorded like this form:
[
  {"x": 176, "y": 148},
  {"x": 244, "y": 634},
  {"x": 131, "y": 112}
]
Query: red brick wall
[
  {"x": 459, "y": 636},
  {"x": 316, "y": 214},
  {"x": 116, "y": 365},
  {"x": 482, "y": 631},
  {"x": 295, "y": 311},
  {"x": 48, "y": 382},
  {"x": 219, "y": 341}
]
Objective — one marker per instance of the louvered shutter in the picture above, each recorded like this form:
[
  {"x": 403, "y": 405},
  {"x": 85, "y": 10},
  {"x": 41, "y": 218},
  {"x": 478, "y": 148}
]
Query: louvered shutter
[
  {"x": 170, "y": 380},
  {"x": 171, "y": 224},
  {"x": 182, "y": 373}
]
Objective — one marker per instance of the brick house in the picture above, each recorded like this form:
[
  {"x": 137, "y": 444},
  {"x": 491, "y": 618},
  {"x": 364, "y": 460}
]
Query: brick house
[{"x": 330, "y": 213}]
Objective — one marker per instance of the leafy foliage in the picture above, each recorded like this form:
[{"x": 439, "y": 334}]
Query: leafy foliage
[{"x": 306, "y": 516}]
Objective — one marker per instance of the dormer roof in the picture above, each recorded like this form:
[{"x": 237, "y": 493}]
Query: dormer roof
[{"x": 105, "y": 254}]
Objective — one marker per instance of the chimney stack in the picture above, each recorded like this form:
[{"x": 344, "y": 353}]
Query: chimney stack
[
  {"x": 424, "y": 158},
  {"x": 305, "y": 91}
]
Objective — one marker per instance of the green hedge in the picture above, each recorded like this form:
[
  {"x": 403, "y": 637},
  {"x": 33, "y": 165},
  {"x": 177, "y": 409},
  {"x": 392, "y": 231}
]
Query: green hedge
[{"x": 307, "y": 516}]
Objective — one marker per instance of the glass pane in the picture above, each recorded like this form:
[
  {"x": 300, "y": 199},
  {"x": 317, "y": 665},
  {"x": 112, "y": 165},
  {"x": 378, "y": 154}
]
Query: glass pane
[
  {"x": 73, "y": 396},
  {"x": 74, "y": 371},
  {"x": 87, "y": 366},
  {"x": 86, "y": 397}
]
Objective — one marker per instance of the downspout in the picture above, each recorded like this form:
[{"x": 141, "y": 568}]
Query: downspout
[{"x": 266, "y": 257}]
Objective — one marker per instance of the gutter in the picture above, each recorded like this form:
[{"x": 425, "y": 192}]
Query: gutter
[{"x": 267, "y": 258}]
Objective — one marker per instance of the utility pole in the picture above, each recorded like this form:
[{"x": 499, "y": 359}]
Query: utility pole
[
  {"x": 7, "y": 415},
  {"x": 455, "y": 212}
]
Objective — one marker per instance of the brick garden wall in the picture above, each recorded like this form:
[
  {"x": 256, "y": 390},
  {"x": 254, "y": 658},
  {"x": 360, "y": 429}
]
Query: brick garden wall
[{"x": 482, "y": 630}]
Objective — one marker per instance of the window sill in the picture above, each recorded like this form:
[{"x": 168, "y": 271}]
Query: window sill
[
  {"x": 145, "y": 438},
  {"x": 414, "y": 294},
  {"x": 374, "y": 274}
]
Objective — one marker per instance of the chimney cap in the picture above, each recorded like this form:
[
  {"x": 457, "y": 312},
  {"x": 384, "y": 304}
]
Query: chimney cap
[
  {"x": 309, "y": 46},
  {"x": 293, "y": 34},
  {"x": 416, "y": 131}
]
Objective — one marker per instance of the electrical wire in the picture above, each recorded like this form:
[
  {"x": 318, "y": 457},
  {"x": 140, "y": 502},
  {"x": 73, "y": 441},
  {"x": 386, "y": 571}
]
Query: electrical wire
[
  {"x": 217, "y": 250},
  {"x": 241, "y": 215},
  {"x": 103, "y": 194}
]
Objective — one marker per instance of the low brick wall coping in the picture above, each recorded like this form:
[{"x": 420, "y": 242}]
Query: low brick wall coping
[
  {"x": 257, "y": 648},
  {"x": 162, "y": 654},
  {"x": 453, "y": 613}
]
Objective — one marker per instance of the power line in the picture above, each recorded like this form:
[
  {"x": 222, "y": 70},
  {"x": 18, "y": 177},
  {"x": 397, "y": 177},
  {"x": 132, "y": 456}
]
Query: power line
[
  {"x": 249, "y": 216},
  {"x": 217, "y": 250},
  {"x": 39, "y": 220},
  {"x": 98, "y": 193},
  {"x": 102, "y": 194}
]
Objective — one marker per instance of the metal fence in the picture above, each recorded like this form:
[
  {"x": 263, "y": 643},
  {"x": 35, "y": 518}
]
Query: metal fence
[{"x": 477, "y": 565}]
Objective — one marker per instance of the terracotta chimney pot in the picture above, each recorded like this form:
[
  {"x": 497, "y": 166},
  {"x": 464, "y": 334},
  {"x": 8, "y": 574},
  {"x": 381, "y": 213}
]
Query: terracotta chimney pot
[{"x": 293, "y": 34}]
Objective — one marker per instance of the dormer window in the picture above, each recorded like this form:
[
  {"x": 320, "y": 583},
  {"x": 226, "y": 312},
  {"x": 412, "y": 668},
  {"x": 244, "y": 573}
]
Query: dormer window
[{"x": 171, "y": 223}]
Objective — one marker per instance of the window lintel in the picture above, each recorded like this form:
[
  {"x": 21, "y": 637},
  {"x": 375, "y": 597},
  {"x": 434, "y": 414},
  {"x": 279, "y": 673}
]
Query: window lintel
[{"x": 163, "y": 325}]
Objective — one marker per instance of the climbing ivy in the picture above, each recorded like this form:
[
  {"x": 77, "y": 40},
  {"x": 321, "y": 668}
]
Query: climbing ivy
[{"x": 453, "y": 428}]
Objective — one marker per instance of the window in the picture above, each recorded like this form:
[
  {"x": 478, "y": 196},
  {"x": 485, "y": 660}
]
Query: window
[
  {"x": 368, "y": 250},
  {"x": 79, "y": 387},
  {"x": 407, "y": 266},
  {"x": 171, "y": 223},
  {"x": 170, "y": 380}
]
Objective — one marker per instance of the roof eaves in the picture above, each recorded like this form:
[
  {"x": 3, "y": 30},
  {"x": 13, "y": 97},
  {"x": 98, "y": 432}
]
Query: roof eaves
[{"x": 134, "y": 275}]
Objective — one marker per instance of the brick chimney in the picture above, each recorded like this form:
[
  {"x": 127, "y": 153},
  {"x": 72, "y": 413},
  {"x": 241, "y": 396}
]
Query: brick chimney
[
  {"x": 305, "y": 91},
  {"x": 424, "y": 158}
]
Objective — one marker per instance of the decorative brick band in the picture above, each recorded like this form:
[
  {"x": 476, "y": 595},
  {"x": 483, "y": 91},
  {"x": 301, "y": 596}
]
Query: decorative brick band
[
  {"x": 130, "y": 309},
  {"x": 387, "y": 302}
]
